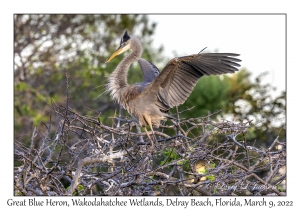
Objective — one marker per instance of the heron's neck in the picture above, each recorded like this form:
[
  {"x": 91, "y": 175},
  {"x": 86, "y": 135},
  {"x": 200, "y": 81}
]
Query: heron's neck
[{"x": 118, "y": 79}]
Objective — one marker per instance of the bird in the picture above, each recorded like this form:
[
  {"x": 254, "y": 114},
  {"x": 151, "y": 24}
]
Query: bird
[{"x": 149, "y": 101}]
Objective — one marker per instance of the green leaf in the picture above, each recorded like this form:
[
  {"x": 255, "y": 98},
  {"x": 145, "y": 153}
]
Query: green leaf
[
  {"x": 211, "y": 177},
  {"x": 80, "y": 187},
  {"x": 21, "y": 86}
]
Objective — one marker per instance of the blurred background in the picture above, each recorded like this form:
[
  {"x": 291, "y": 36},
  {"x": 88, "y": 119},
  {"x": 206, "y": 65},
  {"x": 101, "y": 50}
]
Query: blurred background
[{"x": 46, "y": 45}]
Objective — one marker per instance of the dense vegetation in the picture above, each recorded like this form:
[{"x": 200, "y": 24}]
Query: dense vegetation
[{"x": 49, "y": 47}]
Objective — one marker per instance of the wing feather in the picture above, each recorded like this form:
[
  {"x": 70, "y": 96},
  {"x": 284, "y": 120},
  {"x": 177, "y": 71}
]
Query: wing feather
[
  {"x": 149, "y": 70},
  {"x": 178, "y": 78}
]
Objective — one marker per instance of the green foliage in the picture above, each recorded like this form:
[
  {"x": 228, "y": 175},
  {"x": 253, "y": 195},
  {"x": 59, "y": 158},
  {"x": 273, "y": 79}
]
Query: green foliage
[
  {"x": 47, "y": 45},
  {"x": 157, "y": 187},
  {"x": 209, "y": 95},
  {"x": 172, "y": 155},
  {"x": 80, "y": 187},
  {"x": 211, "y": 177},
  {"x": 240, "y": 99},
  {"x": 254, "y": 101},
  {"x": 280, "y": 189},
  {"x": 18, "y": 193}
]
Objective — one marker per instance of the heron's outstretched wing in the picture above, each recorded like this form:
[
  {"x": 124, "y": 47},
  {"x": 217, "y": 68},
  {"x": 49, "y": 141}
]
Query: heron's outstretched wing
[
  {"x": 149, "y": 70},
  {"x": 178, "y": 78}
]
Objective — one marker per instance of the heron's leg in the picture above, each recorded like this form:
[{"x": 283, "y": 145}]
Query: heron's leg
[
  {"x": 149, "y": 122},
  {"x": 152, "y": 144},
  {"x": 152, "y": 130}
]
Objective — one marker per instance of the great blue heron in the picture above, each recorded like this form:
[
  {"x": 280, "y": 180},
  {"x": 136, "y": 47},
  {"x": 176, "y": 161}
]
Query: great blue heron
[{"x": 150, "y": 100}]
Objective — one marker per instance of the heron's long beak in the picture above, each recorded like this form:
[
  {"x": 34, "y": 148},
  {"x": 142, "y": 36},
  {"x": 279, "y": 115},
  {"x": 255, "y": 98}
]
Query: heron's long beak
[{"x": 118, "y": 51}]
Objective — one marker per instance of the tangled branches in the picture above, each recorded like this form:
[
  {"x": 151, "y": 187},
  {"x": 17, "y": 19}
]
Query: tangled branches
[
  {"x": 86, "y": 157},
  {"x": 79, "y": 155}
]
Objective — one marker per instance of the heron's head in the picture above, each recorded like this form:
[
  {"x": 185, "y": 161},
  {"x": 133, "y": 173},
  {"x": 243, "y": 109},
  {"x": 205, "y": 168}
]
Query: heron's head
[{"x": 125, "y": 44}]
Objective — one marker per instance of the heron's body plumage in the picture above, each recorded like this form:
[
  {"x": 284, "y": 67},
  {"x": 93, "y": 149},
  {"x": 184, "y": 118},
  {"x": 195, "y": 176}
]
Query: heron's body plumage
[{"x": 149, "y": 100}]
